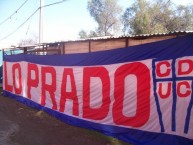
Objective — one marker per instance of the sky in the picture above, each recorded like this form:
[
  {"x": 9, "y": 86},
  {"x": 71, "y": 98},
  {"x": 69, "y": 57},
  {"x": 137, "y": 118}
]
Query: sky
[{"x": 61, "y": 22}]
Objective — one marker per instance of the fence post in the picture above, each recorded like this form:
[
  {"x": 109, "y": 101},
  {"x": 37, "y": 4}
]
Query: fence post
[{"x": 89, "y": 46}]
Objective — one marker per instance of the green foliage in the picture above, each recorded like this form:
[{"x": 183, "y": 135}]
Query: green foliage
[
  {"x": 82, "y": 34},
  {"x": 85, "y": 35},
  {"x": 106, "y": 14},
  {"x": 146, "y": 17},
  {"x": 142, "y": 17}
]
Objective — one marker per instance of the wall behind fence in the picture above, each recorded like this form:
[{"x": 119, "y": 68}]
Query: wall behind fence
[
  {"x": 106, "y": 44},
  {"x": 86, "y": 46}
]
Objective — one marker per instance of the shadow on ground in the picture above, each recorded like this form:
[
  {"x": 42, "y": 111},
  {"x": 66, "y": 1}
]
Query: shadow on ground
[{"x": 21, "y": 125}]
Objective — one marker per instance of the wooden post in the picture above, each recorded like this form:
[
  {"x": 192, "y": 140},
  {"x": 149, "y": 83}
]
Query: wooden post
[
  {"x": 63, "y": 44},
  {"x": 3, "y": 52},
  {"x": 126, "y": 42},
  {"x": 58, "y": 47},
  {"x": 89, "y": 46},
  {"x": 25, "y": 50}
]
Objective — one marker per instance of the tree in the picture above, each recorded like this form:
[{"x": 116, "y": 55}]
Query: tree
[
  {"x": 146, "y": 17},
  {"x": 136, "y": 18},
  {"x": 106, "y": 14},
  {"x": 29, "y": 41},
  {"x": 182, "y": 19},
  {"x": 85, "y": 35}
]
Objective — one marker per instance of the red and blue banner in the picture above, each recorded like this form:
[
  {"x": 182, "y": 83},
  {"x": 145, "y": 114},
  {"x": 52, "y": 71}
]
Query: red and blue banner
[{"x": 140, "y": 94}]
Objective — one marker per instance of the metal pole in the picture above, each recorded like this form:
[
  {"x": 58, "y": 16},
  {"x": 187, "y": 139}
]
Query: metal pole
[{"x": 41, "y": 23}]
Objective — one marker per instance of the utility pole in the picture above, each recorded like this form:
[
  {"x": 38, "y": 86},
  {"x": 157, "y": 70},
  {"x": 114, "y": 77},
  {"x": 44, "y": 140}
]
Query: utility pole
[{"x": 41, "y": 23}]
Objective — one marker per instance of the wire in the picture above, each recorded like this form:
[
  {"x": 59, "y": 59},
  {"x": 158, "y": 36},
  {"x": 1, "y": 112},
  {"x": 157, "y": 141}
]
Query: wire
[
  {"x": 13, "y": 13},
  {"x": 20, "y": 25},
  {"x": 30, "y": 17},
  {"x": 30, "y": 21},
  {"x": 54, "y": 3}
]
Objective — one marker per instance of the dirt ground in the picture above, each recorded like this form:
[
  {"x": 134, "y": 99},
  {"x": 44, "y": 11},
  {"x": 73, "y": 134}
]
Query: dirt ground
[{"x": 21, "y": 125}]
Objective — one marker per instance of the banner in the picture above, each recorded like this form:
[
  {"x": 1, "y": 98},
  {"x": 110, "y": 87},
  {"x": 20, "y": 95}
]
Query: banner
[{"x": 140, "y": 94}]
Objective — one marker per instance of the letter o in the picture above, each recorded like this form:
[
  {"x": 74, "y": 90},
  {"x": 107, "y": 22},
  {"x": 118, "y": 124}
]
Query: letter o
[{"x": 142, "y": 74}]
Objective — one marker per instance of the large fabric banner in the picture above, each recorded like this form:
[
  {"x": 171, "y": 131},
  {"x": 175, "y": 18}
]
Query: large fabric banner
[{"x": 140, "y": 94}]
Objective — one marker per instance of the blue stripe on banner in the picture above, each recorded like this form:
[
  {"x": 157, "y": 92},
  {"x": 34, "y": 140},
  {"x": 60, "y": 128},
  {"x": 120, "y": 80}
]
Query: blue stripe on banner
[
  {"x": 188, "y": 116},
  {"x": 156, "y": 96},
  {"x": 174, "y": 96},
  {"x": 136, "y": 137},
  {"x": 182, "y": 46},
  {"x": 177, "y": 79}
]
